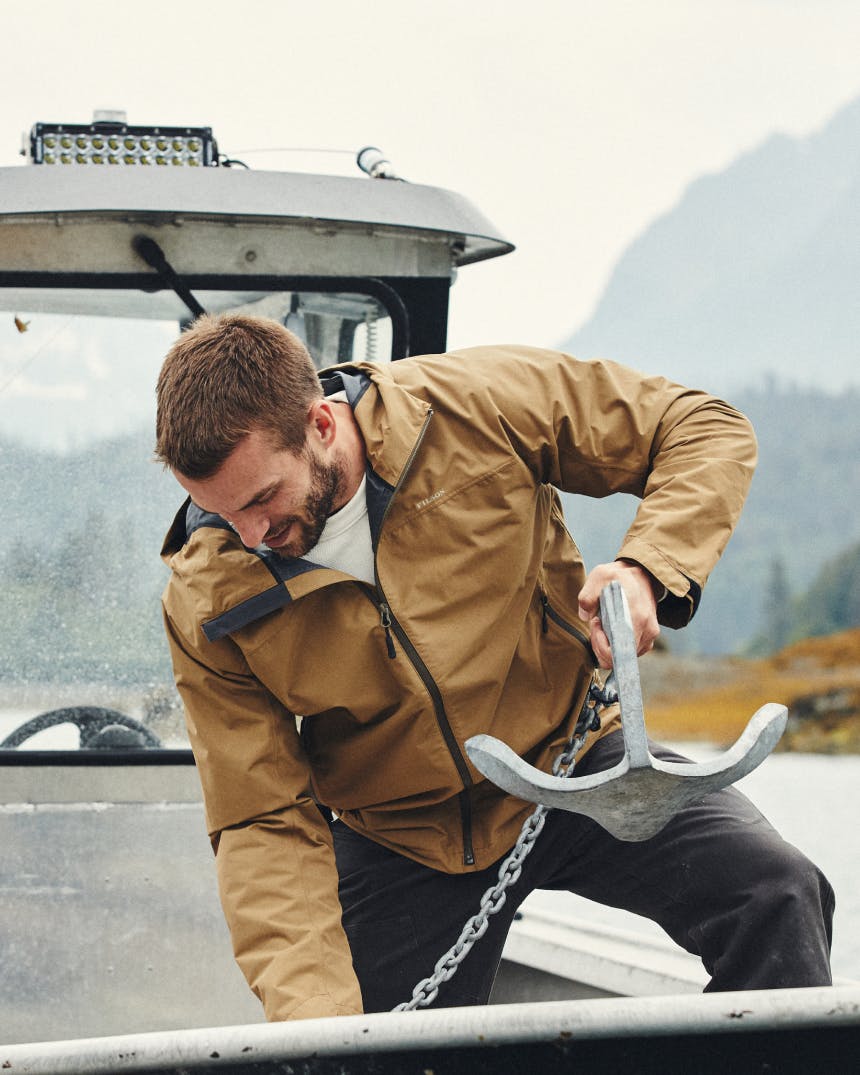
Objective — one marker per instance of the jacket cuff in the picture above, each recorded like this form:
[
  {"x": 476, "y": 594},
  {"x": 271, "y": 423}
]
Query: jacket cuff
[
  {"x": 677, "y": 605},
  {"x": 319, "y": 1007},
  {"x": 674, "y": 611}
]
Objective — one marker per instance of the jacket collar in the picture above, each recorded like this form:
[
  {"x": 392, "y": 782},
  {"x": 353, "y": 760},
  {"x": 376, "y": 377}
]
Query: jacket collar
[{"x": 389, "y": 417}]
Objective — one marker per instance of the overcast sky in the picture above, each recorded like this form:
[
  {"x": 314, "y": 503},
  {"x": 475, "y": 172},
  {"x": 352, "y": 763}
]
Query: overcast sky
[{"x": 571, "y": 124}]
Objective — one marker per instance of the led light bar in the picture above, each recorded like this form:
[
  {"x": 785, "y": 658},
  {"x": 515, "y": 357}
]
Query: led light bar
[{"x": 116, "y": 143}]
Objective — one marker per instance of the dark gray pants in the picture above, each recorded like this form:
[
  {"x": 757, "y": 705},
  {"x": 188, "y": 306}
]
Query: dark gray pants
[{"x": 718, "y": 879}]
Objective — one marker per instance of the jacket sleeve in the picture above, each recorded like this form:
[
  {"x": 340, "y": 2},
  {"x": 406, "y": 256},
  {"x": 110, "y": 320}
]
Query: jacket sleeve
[
  {"x": 274, "y": 857},
  {"x": 597, "y": 428}
]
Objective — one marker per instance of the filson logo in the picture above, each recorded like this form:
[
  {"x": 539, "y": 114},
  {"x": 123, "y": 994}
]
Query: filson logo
[{"x": 429, "y": 499}]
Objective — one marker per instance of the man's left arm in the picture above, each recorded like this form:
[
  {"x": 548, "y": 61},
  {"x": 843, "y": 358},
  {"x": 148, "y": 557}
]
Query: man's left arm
[
  {"x": 700, "y": 464},
  {"x": 597, "y": 428}
]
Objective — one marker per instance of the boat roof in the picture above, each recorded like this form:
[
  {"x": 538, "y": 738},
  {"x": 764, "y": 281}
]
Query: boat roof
[{"x": 240, "y": 196}]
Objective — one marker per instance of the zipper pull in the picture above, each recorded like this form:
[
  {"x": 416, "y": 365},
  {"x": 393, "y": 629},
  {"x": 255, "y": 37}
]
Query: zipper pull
[
  {"x": 544, "y": 600},
  {"x": 385, "y": 617}
]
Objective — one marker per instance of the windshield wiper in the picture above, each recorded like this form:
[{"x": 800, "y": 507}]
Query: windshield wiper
[{"x": 153, "y": 255}]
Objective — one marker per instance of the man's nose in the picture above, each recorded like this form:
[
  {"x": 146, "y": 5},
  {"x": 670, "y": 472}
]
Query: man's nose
[{"x": 251, "y": 528}]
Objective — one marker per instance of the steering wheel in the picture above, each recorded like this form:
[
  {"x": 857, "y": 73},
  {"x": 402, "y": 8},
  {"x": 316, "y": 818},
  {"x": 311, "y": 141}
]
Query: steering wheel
[{"x": 100, "y": 729}]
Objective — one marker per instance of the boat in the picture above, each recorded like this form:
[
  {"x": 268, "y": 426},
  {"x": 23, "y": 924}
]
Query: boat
[{"x": 113, "y": 950}]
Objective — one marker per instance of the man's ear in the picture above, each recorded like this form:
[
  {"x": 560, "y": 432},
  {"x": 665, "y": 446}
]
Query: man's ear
[{"x": 321, "y": 421}]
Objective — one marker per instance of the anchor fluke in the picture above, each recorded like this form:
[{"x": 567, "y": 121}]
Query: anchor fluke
[{"x": 637, "y": 797}]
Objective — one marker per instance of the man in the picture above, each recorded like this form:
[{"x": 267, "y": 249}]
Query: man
[{"x": 372, "y": 567}]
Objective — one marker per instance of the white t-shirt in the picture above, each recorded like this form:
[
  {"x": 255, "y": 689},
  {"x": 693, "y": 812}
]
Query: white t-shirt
[{"x": 345, "y": 542}]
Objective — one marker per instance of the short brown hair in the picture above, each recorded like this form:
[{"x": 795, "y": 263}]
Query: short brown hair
[{"x": 225, "y": 376}]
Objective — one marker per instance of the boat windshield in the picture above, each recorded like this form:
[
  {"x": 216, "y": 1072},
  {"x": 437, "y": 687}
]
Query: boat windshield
[{"x": 83, "y": 662}]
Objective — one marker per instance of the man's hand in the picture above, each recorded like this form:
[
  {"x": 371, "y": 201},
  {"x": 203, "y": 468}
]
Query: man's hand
[{"x": 639, "y": 591}]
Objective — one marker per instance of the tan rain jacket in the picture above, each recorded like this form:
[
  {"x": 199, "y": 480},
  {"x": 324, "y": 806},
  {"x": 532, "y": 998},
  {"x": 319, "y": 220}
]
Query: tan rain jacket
[{"x": 471, "y": 627}]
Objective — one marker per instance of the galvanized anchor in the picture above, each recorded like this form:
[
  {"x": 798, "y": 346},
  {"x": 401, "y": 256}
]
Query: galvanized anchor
[{"x": 637, "y": 797}]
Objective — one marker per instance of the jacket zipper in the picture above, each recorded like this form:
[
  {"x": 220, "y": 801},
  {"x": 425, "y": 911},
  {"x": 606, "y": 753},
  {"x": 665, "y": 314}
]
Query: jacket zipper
[
  {"x": 549, "y": 613},
  {"x": 386, "y": 620},
  {"x": 393, "y": 629}
]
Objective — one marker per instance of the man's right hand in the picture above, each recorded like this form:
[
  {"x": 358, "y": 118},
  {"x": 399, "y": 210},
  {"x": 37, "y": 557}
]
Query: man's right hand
[{"x": 639, "y": 591}]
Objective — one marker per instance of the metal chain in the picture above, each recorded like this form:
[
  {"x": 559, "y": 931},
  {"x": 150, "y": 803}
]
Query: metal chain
[{"x": 492, "y": 901}]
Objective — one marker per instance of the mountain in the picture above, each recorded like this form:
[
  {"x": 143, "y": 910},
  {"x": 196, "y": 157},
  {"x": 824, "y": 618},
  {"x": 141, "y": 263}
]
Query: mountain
[{"x": 752, "y": 277}]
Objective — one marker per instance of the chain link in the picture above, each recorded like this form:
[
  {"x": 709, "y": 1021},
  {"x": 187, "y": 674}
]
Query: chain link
[{"x": 492, "y": 901}]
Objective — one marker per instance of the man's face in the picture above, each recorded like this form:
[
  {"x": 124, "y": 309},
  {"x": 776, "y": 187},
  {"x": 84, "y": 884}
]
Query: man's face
[{"x": 271, "y": 496}]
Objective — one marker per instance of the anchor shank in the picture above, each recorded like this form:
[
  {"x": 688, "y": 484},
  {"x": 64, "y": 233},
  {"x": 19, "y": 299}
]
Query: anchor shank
[{"x": 615, "y": 617}]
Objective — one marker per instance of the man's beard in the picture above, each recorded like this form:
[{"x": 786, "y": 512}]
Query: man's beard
[{"x": 327, "y": 481}]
